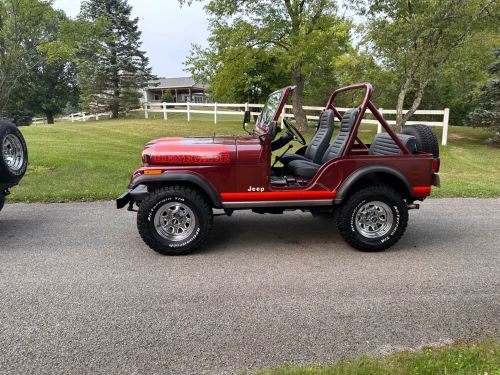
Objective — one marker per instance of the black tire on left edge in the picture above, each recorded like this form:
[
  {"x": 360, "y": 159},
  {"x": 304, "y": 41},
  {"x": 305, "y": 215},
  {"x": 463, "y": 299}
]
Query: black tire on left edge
[
  {"x": 373, "y": 218},
  {"x": 2, "y": 201},
  {"x": 175, "y": 220},
  {"x": 13, "y": 153}
]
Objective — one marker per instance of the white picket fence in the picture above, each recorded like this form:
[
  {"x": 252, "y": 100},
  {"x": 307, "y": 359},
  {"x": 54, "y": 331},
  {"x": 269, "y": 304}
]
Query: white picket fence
[
  {"x": 39, "y": 120},
  {"x": 84, "y": 116},
  {"x": 218, "y": 109}
]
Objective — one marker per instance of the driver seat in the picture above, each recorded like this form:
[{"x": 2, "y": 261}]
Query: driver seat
[
  {"x": 319, "y": 142},
  {"x": 307, "y": 169}
]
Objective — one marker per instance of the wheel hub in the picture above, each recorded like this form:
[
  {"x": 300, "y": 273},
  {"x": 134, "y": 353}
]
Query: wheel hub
[
  {"x": 13, "y": 154},
  {"x": 374, "y": 219},
  {"x": 175, "y": 221}
]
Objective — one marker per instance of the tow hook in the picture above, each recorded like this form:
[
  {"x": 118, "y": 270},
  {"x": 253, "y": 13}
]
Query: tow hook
[{"x": 413, "y": 206}]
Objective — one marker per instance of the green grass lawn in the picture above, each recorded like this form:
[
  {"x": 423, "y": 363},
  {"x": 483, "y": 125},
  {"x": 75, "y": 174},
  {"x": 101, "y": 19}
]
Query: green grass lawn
[
  {"x": 476, "y": 359},
  {"x": 94, "y": 160}
]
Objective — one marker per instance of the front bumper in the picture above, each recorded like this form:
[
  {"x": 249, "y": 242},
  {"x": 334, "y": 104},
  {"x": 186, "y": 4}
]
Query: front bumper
[{"x": 137, "y": 194}]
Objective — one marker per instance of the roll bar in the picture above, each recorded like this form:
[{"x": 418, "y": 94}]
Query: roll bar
[{"x": 365, "y": 104}]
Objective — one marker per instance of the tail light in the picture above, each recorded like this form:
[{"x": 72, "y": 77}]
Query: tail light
[{"x": 436, "y": 163}]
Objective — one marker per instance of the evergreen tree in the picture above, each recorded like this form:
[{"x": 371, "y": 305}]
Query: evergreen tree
[
  {"x": 487, "y": 112},
  {"x": 113, "y": 68}
]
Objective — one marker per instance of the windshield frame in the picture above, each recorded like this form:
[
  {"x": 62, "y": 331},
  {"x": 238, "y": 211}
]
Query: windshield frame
[{"x": 263, "y": 124}]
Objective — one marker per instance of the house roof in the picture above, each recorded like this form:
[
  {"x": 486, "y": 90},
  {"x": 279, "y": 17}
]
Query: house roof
[{"x": 177, "y": 82}]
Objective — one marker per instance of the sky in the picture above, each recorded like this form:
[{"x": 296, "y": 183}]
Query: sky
[{"x": 167, "y": 31}]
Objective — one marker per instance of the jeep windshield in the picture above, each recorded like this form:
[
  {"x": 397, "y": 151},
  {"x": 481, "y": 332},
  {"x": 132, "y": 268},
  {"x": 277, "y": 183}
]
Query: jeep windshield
[{"x": 271, "y": 109}]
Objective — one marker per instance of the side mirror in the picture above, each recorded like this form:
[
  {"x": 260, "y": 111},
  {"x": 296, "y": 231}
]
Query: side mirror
[{"x": 246, "y": 120}]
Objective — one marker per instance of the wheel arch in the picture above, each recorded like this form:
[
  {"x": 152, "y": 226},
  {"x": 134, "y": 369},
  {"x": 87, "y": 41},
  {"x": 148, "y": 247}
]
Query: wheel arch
[
  {"x": 366, "y": 176},
  {"x": 182, "y": 178}
]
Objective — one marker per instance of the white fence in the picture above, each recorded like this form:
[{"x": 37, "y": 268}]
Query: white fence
[
  {"x": 83, "y": 116},
  {"x": 39, "y": 120},
  {"x": 217, "y": 109}
]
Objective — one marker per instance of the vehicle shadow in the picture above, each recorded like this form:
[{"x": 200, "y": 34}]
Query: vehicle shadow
[
  {"x": 305, "y": 232},
  {"x": 277, "y": 232},
  {"x": 11, "y": 229}
]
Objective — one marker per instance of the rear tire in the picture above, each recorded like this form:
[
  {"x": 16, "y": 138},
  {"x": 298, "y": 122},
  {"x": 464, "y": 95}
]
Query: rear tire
[
  {"x": 13, "y": 153},
  {"x": 425, "y": 138},
  {"x": 175, "y": 220},
  {"x": 373, "y": 218},
  {"x": 2, "y": 201}
]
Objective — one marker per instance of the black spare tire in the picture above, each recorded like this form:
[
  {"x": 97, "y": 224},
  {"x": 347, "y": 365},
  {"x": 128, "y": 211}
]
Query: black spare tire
[
  {"x": 425, "y": 138},
  {"x": 13, "y": 153}
]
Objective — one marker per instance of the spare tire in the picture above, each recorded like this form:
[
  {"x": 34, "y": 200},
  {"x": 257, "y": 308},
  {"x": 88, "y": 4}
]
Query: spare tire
[
  {"x": 425, "y": 137},
  {"x": 13, "y": 153}
]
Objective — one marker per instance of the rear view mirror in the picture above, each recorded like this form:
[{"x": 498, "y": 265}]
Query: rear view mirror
[{"x": 246, "y": 120}]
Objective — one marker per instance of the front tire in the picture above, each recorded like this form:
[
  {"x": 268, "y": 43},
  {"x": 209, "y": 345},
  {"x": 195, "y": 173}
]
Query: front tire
[
  {"x": 175, "y": 220},
  {"x": 2, "y": 201},
  {"x": 373, "y": 218}
]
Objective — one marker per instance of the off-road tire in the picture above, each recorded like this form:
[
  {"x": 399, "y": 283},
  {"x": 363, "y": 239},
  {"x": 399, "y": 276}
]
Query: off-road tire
[
  {"x": 2, "y": 201},
  {"x": 425, "y": 138},
  {"x": 185, "y": 196},
  {"x": 346, "y": 222},
  {"x": 9, "y": 131}
]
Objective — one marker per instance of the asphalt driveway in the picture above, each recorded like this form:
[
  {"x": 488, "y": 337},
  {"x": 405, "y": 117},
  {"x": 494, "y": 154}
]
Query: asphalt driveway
[{"x": 81, "y": 293}]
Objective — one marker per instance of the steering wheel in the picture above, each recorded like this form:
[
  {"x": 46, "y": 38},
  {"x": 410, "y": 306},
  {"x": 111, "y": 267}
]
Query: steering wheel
[{"x": 294, "y": 132}]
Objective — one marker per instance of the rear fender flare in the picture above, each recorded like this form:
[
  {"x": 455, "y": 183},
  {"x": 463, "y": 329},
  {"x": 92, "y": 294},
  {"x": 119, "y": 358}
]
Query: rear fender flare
[
  {"x": 189, "y": 178},
  {"x": 365, "y": 171}
]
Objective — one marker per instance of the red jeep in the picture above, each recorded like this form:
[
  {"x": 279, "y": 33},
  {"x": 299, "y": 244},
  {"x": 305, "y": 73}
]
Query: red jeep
[{"x": 370, "y": 187}]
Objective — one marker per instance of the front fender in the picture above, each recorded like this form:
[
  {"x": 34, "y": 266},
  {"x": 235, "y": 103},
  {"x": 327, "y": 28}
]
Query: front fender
[{"x": 182, "y": 177}]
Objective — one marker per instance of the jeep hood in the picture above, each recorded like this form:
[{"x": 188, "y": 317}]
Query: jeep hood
[{"x": 192, "y": 150}]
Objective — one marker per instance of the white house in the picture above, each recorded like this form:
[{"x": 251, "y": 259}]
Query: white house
[{"x": 183, "y": 89}]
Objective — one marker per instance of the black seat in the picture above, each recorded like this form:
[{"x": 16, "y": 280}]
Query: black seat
[
  {"x": 383, "y": 144},
  {"x": 307, "y": 169},
  {"x": 319, "y": 142}
]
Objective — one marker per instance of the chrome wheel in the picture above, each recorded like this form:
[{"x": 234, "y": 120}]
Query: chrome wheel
[
  {"x": 374, "y": 219},
  {"x": 175, "y": 221},
  {"x": 13, "y": 153}
]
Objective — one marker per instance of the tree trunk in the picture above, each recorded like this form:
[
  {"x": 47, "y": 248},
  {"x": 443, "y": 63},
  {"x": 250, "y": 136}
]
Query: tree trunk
[
  {"x": 399, "y": 110},
  {"x": 115, "y": 104},
  {"x": 402, "y": 118},
  {"x": 115, "y": 101},
  {"x": 50, "y": 117},
  {"x": 298, "y": 93},
  {"x": 401, "y": 102}
]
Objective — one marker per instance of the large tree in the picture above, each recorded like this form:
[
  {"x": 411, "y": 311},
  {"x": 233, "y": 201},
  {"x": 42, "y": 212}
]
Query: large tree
[
  {"x": 237, "y": 74},
  {"x": 297, "y": 37},
  {"x": 113, "y": 68},
  {"x": 50, "y": 84},
  {"x": 48, "y": 88},
  {"x": 417, "y": 38},
  {"x": 25, "y": 28}
]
